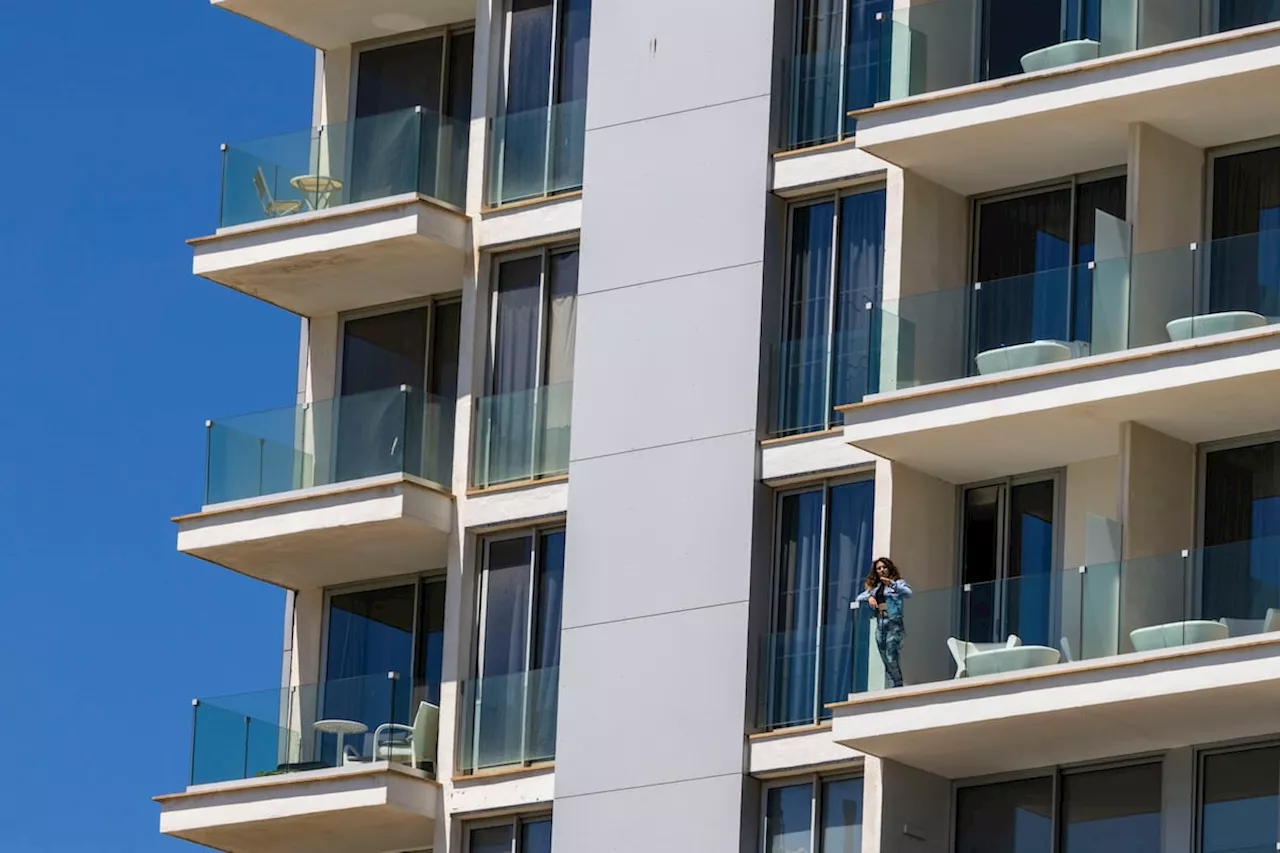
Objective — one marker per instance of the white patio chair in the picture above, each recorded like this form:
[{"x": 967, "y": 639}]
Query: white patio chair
[
  {"x": 962, "y": 650},
  {"x": 414, "y": 745},
  {"x": 270, "y": 206}
]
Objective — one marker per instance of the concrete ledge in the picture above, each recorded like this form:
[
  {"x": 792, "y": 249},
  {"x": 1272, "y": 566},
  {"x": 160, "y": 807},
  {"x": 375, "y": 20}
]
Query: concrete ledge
[
  {"x": 327, "y": 811},
  {"x": 377, "y": 527}
]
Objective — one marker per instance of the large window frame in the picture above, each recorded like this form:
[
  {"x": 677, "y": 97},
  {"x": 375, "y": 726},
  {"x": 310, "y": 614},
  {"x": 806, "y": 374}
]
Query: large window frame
[
  {"x": 1202, "y": 755},
  {"x": 446, "y": 32},
  {"x": 826, "y": 486},
  {"x": 515, "y": 822},
  {"x": 781, "y": 391},
  {"x": 817, "y": 783},
  {"x": 537, "y": 534}
]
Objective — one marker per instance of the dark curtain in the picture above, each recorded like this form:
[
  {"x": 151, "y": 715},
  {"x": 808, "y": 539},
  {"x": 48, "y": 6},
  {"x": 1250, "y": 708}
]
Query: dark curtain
[
  {"x": 499, "y": 691},
  {"x": 1244, "y": 258},
  {"x": 1241, "y": 562},
  {"x": 867, "y": 62},
  {"x": 793, "y": 645},
  {"x": 523, "y": 129},
  {"x": 815, "y": 113},
  {"x": 1237, "y": 14},
  {"x": 569, "y": 124},
  {"x": 849, "y": 533},
  {"x": 507, "y": 417},
  {"x": 1014, "y": 28},
  {"x": 543, "y": 690},
  {"x": 1007, "y": 817}
]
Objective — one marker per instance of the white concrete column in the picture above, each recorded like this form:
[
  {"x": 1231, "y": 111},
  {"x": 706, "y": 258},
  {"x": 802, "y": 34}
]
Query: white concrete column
[
  {"x": 1178, "y": 801},
  {"x": 905, "y": 810}
]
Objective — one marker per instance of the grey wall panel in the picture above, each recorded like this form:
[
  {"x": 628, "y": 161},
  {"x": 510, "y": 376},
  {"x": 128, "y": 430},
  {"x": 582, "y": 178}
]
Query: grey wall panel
[
  {"x": 668, "y": 56},
  {"x": 652, "y": 700},
  {"x": 688, "y": 816},
  {"x": 671, "y": 540},
  {"x": 683, "y": 363},
  {"x": 664, "y": 197}
]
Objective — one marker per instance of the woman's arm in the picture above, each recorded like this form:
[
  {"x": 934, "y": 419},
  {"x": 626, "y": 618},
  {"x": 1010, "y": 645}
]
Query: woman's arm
[
  {"x": 900, "y": 587},
  {"x": 863, "y": 596}
]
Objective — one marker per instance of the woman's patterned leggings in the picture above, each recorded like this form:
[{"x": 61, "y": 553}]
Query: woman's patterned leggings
[{"x": 889, "y": 633}]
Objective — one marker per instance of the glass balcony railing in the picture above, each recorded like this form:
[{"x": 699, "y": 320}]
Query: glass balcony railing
[
  {"x": 508, "y": 720},
  {"x": 536, "y": 153},
  {"x": 1099, "y": 611},
  {"x": 811, "y": 376},
  {"x": 395, "y": 430},
  {"x": 312, "y": 727},
  {"x": 325, "y": 167},
  {"x": 1089, "y": 309},
  {"x": 941, "y": 44},
  {"x": 523, "y": 435}
]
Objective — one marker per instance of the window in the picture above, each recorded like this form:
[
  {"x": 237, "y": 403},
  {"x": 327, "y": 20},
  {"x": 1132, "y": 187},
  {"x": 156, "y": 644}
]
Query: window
[
  {"x": 1240, "y": 566},
  {"x": 1240, "y": 800},
  {"x": 824, "y": 552},
  {"x": 1112, "y": 810},
  {"x": 518, "y": 835},
  {"x": 835, "y": 262},
  {"x": 413, "y": 115},
  {"x": 815, "y": 816},
  {"x": 1008, "y": 545},
  {"x": 371, "y": 636},
  {"x": 1036, "y": 274},
  {"x": 1244, "y": 255},
  {"x": 510, "y": 711},
  {"x": 537, "y": 142},
  {"x": 398, "y": 385},
  {"x": 522, "y": 428},
  {"x": 834, "y": 67}
]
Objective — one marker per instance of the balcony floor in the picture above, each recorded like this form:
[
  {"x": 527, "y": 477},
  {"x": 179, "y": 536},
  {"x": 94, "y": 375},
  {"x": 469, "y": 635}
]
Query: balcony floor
[
  {"x": 349, "y": 532},
  {"x": 1109, "y": 707},
  {"x": 366, "y": 809}
]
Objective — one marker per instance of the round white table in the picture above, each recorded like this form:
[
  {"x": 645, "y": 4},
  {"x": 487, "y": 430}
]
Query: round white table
[
  {"x": 318, "y": 187},
  {"x": 341, "y": 728}
]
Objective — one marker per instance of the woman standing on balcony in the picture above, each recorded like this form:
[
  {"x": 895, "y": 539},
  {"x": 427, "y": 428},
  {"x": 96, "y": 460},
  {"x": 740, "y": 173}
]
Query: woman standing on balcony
[{"x": 885, "y": 590}]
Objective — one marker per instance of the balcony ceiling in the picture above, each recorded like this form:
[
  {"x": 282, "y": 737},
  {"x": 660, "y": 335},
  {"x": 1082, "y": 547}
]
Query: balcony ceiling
[{"x": 330, "y": 24}]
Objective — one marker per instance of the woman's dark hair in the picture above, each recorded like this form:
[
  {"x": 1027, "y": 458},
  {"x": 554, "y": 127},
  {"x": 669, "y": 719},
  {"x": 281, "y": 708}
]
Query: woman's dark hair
[{"x": 873, "y": 578}]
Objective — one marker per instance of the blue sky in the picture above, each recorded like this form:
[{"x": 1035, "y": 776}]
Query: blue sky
[{"x": 112, "y": 355}]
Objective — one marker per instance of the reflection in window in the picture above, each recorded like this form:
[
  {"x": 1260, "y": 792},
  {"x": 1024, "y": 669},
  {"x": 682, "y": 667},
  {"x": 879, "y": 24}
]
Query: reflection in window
[
  {"x": 790, "y": 810},
  {"x": 1241, "y": 563},
  {"x": 1009, "y": 817},
  {"x": 1240, "y": 808},
  {"x": 1112, "y": 811}
]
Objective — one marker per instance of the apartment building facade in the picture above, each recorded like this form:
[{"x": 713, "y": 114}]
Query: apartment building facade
[{"x": 632, "y": 331}]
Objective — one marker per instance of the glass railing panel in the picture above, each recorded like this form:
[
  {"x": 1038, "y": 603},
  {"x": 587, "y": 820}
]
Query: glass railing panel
[
  {"x": 932, "y": 46},
  {"x": 536, "y": 153},
  {"x": 1028, "y": 320},
  {"x": 508, "y": 720},
  {"x": 805, "y": 669},
  {"x": 810, "y": 377},
  {"x": 365, "y": 159},
  {"x": 523, "y": 435},
  {"x": 310, "y": 727},
  {"x": 922, "y": 339},
  {"x": 394, "y": 430}
]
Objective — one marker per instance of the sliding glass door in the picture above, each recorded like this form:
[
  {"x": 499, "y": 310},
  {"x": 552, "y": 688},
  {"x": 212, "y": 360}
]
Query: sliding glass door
[
  {"x": 538, "y": 139},
  {"x": 1240, "y": 800},
  {"x": 400, "y": 142},
  {"x": 824, "y": 553},
  {"x": 1034, "y": 255},
  {"x": 383, "y": 649},
  {"x": 835, "y": 264},
  {"x": 835, "y": 68},
  {"x": 523, "y": 424},
  {"x": 1244, "y": 256},
  {"x": 513, "y": 718},
  {"x": 1008, "y": 551},
  {"x": 398, "y": 383},
  {"x": 1240, "y": 568}
]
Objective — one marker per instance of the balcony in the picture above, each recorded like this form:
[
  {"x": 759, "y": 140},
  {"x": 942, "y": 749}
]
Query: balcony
[
  {"x": 344, "y": 216},
  {"x": 312, "y": 767},
  {"x": 522, "y": 436},
  {"x": 508, "y": 721},
  {"x": 329, "y": 492},
  {"x": 536, "y": 154},
  {"x": 1052, "y": 92},
  {"x": 329, "y": 24},
  {"x": 1116, "y": 658},
  {"x": 1038, "y": 371}
]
